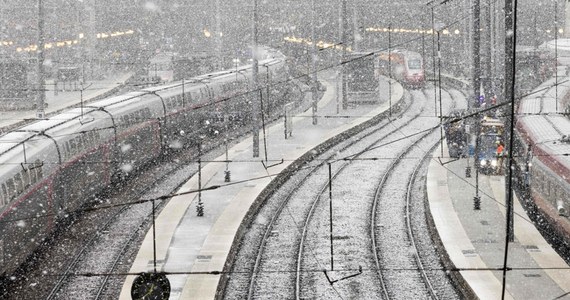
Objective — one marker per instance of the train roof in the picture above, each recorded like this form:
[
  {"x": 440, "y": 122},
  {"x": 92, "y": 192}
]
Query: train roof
[
  {"x": 116, "y": 99},
  {"x": 542, "y": 124},
  {"x": 13, "y": 139}
]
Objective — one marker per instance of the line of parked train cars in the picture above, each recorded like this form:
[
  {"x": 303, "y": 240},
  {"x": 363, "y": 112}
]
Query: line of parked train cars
[
  {"x": 542, "y": 160},
  {"x": 50, "y": 168}
]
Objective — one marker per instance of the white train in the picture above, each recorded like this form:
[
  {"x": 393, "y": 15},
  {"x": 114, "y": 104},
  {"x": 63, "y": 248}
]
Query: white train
[{"x": 51, "y": 167}]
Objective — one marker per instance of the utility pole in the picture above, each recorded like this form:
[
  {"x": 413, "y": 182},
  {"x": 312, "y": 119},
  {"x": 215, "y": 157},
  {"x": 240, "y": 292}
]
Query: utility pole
[
  {"x": 255, "y": 93},
  {"x": 488, "y": 52},
  {"x": 433, "y": 58},
  {"x": 314, "y": 86},
  {"x": 556, "y": 52},
  {"x": 40, "y": 113},
  {"x": 510, "y": 40},
  {"x": 344, "y": 44},
  {"x": 476, "y": 94},
  {"x": 219, "y": 57},
  {"x": 90, "y": 38},
  {"x": 510, "y": 59},
  {"x": 476, "y": 52}
]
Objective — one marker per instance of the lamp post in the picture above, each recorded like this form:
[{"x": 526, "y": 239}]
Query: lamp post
[
  {"x": 556, "y": 53},
  {"x": 40, "y": 113},
  {"x": 430, "y": 3},
  {"x": 440, "y": 26},
  {"x": 255, "y": 79},
  {"x": 200, "y": 205},
  {"x": 314, "y": 64}
]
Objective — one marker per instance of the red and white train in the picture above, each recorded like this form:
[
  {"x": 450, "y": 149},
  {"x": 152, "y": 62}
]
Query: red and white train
[
  {"x": 541, "y": 153},
  {"x": 404, "y": 65},
  {"x": 50, "y": 168}
]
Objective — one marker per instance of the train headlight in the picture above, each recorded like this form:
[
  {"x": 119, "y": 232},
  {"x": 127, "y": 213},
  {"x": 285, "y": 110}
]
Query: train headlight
[
  {"x": 494, "y": 163},
  {"x": 483, "y": 163}
]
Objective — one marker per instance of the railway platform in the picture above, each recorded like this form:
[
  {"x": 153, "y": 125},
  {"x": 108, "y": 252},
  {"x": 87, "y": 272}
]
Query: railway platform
[
  {"x": 188, "y": 245},
  {"x": 475, "y": 239}
]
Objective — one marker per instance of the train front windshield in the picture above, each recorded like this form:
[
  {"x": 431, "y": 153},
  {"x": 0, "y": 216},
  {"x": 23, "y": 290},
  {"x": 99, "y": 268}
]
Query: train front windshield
[{"x": 415, "y": 64}]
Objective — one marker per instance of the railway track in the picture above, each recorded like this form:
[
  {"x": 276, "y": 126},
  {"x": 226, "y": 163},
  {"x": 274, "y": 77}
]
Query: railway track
[
  {"x": 290, "y": 241},
  {"x": 83, "y": 256}
]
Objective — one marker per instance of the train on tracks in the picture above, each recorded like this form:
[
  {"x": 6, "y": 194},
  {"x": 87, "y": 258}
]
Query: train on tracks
[
  {"x": 365, "y": 68},
  {"x": 541, "y": 154},
  {"x": 404, "y": 65},
  {"x": 53, "y": 167}
]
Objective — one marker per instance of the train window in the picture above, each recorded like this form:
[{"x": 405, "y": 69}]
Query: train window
[
  {"x": 81, "y": 141},
  {"x": 10, "y": 190},
  {"x": 3, "y": 196},
  {"x": 66, "y": 148},
  {"x": 26, "y": 179},
  {"x": 414, "y": 64},
  {"x": 537, "y": 180},
  {"x": 72, "y": 145},
  {"x": 19, "y": 183}
]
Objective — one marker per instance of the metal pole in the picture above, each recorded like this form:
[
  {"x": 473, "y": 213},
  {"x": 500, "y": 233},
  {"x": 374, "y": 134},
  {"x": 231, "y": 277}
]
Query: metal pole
[
  {"x": 220, "y": 64},
  {"x": 331, "y": 217},
  {"x": 433, "y": 61},
  {"x": 439, "y": 87},
  {"x": 314, "y": 88},
  {"x": 153, "y": 235},
  {"x": 476, "y": 93},
  {"x": 390, "y": 70},
  {"x": 255, "y": 108},
  {"x": 200, "y": 207},
  {"x": 476, "y": 52},
  {"x": 40, "y": 113},
  {"x": 556, "y": 53},
  {"x": 510, "y": 58},
  {"x": 344, "y": 43},
  {"x": 510, "y": 19},
  {"x": 488, "y": 69}
]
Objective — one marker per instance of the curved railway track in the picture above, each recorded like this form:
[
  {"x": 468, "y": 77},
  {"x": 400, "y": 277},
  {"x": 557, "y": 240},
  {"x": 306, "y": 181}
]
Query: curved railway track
[
  {"x": 290, "y": 241},
  {"x": 83, "y": 256}
]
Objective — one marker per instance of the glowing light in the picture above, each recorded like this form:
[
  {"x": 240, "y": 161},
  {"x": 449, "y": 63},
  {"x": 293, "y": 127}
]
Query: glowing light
[
  {"x": 81, "y": 35},
  {"x": 207, "y": 33},
  {"x": 456, "y": 31}
]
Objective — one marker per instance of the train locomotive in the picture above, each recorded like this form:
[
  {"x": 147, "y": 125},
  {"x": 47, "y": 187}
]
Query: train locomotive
[
  {"x": 50, "y": 168},
  {"x": 404, "y": 65}
]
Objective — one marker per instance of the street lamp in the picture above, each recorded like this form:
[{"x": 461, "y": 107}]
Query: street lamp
[
  {"x": 438, "y": 27},
  {"x": 430, "y": 3}
]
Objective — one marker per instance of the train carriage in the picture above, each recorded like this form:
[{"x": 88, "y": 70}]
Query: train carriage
[
  {"x": 405, "y": 66},
  {"x": 542, "y": 163},
  {"x": 53, "y": 167}
]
